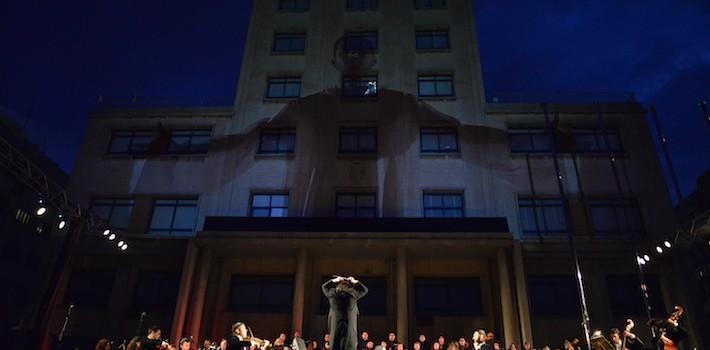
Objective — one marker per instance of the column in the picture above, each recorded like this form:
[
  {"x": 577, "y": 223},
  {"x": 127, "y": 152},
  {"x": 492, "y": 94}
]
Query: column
[
  {"x": 510, "y": 328},
  {"x": 299, "y": 291},
  {"x": 200, "y": 292},
  {"x": 522, "y": 294},
  {"x": 402, "y": 302},
  {"x": 188, "y": 271}
]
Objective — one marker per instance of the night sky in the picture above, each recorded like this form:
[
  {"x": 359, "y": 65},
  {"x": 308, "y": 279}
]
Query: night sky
[{"x": 56, "y": 58}]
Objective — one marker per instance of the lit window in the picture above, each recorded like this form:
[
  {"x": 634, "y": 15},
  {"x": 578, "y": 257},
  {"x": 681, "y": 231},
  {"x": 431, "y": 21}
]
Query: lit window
[
  {"x": 360, "y": 86},
  {"x": 269, "y": 205},
  {"x": 277, "y": 141},
  {"x": 174, "y": 217},
  {"x": 435, "y": 85},
  {"x": 189, "y": 141},
  {"x": 438, "y": 140},
  {"x": 542, "y": 217},
  {"x": 115, "y": 211},
  {"x": 284, "y": 88},
  {"x": 443, "y": 205},
  {"x": 130, "y": 142}
]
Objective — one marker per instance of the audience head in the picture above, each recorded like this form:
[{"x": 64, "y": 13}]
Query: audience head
[
  {"x": 365, "y": 336},
  {"x": 154, "y": 333},
  {"x": 513, "y": 346},
  {"x": 436, "y": 346},
  {"x": 496, "y": 346},
  {"x": 400, "y": 346},
  {"x": 370, "y": 345},
  {"x": 454, "y": 345},
  {"x": 223, "y": 344},
  {"x": 392, "y": 336},
  {"x": 103, "y": 344},
  {"x": 422, "y": 338},
  {"x": 527, "y": 345},
  {"x": 417, "y": 345}
]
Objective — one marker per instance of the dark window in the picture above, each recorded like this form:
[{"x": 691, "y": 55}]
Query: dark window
[
  {"x": 542, "y": 217},
  {"x": 439, "y": 140},
  {"x": 356, "y": 205},
  {"x": 269, "y": 205},
  {"x": 189, "y": 141},
  {"x": 447, "y": 297},
  {"x": 294, "y": 5},
  {"x": 261, "y": 294},
  {"x": 530, "y": 141},
  {"x": 116, "y": 211},
  {"x": 156, "y": 291},
  {"x": 90, "y": 288},
  {"x": 611, "y": 217},
  {"x": 358, "y": 140},
  {"x": 284, "y": 88},
  {"x": 435, "y": 85},
  {"x": 130, "y": 142},
  {"x": 360, "y": 41},
  {"x": 553, "y": 295},
  {"x": 593, "y": 140},
  {"x": 373, "y": 304},
  {"x": 277, "y": 141},
  {"x": 289, "y": 42},
  {"x": 361, "y": 4},
  {"x": 443, "y": 205},
  {"x": 360, "y": 86},
  {"x": 430, "y": 4},
  {"x": 174, "y": 217},
  {"x": 625, "y": 295},
  {"x": 432, "y": 39}
]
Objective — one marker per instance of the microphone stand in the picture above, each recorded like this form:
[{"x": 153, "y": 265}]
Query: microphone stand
[
  {"x": 140, "y": 324},
  {"x": 64, "y": 326}
]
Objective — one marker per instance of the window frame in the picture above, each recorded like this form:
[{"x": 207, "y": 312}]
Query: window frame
[
  {"x": 538, "y": 205},
  {"x": 172, "y": 231},
  {"x": 146, "y": 132},
  {"x": 285, "y": 81},
  {"x": 260, "y": 281},
  {"x": 288, "y": 36},
  {"x": 613, "y": 203},
  {"x": 530, "y": 133},
  {"x": 358, "y": 132},
  {"x": 438, "y": 131},
  {"x": 270, "y": 207},
  {"x": 599, "y": 140},
  {"x": 348, "y": 6},
  {"x": 432, "y": 33},
  {"x": 435, "y": 78},
  {"x": 430, "y": 5},
  {"x": 452, "y": 307},
  {"x": 363, "y": 83},
  {"x": 295, "y": 7},
  {"x": 114, "y": 204},
  {"x": 351, "y": 35},
  {"x": 355, "y": 208},
  {"x": 279, "y": 132},
  {"x": 192, "y": 133},
  {"x": 443, "y": 208},
  {"x": 555, "y": 309}
]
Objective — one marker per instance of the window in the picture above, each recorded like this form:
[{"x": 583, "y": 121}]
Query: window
[
  {"x": 294, "y": 5},
  {"x": 358, "y": 140},
  {"x": 115, "y": 211},
  {"x": 361, "y": 205},
  {"x": 269, "y": 205},
  {"x": 553, "y": 295},
  {"x": 289, "y": 42},
  {"x": 361, "y": 5},
  {"x": 284, "y": 88},
  {"x": 432, "y": 39},
  {"x": 438, "y": 140},
  {"x": 435, "y": 85},
  {"x": 360, "y": 86},
  {"x": 610, "y": 217},
  {"x": 447, "y": 297},
  {"x": 374, "y": 304},
  {"x": 130, "y": 142},
  {"x": 443, "y": 205},
  {"x": 430, "y": 4},
  {"x": 156, "y": 291},
  {"x": 360, "y": 41},
  {"x": 261, "y": 294},
  {"x": 277, "y": 141},
  {"x": 625, "y": 296},
  {"x": 530, "y": 141},
  {"x": 593, "y": 140},
  {"x": 189, "y": 141},
  {"x": 90, "y": 288},
  {"x": 544, "y": 217},
  {"x": 174, "y": 217}
]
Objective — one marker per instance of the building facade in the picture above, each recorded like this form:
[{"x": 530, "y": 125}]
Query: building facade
[{"x": 361, "y": 143}]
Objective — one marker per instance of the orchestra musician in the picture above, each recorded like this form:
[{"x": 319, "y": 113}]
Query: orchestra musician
[
  {"x": 669, "y": 333},
  {"x": 240, "y": 339}
]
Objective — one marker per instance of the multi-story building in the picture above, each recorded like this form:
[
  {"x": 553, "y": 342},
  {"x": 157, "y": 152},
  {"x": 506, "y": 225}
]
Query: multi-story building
[{"x": 361, "y": 143}]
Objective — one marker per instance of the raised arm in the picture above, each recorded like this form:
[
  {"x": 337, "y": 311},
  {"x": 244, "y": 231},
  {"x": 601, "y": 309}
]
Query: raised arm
[
  {"x": 329, "y": 287},
  {"x": 359, "y": 289}
]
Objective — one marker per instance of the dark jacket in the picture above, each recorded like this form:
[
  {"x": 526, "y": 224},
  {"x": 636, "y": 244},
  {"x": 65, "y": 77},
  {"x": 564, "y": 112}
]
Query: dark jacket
[{"x": 342, "y": 316}]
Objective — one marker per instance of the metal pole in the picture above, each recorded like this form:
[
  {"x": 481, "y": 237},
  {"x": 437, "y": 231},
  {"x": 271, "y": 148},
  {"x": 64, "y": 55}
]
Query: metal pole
[
  {"x": 704, "y": 107},
  {"x": 666, "y": 153},
  {"x": 64, "y": 325},
  {"x": 644, "y": 292},
  {"x": 570, "y": 234}
]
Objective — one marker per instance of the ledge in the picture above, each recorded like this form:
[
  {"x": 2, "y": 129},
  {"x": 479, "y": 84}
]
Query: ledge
[
  {"x": 441, "y": 155},
  {"x": 287, "y": 156}
]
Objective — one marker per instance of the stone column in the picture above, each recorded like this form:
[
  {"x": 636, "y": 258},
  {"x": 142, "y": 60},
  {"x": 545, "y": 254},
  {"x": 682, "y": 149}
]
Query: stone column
[
  {"x": 510, "y": 322},
  {"x": 522, "y": 294},
  {"x": 402, "y": 301},
  {"x": 200, "y": 292},
  {"x": 188, "y": 271},
  {"x": 299, "y": 291}
]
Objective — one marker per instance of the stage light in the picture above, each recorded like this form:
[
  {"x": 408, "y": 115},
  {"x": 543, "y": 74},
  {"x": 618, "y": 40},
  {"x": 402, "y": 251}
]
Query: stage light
[
  {"x": 41, "y": 207},
  {"x": 667, "y": 243},
  {"x": 659, "y": 249},
  {"x": 62, "y": 221},
  {"x": 106, "y": 232},
  {"x": 121, "y": 243},
  {"x": 124, "y": 247},
  {"x": 646, "y": 257},
  {"x": 111, "y": 237},
  {"x": 640, "y": 261}
]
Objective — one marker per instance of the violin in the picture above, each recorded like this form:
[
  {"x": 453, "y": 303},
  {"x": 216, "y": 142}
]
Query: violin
[
  {"x": 262, "y": 344},
  {"x": 675, "y": 316}
]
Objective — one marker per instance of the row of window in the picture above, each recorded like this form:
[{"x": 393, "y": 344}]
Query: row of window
[
  {"x": 550, "y": 295},
  {"x": 170, "y": 217},
  {"x": 355, "y": 5},
  {"x": 143, "y": 142},
  {"x": 428, "y": 85},
  {"x": 295, "y": 42},
  {"x": 536, "y": 140}
]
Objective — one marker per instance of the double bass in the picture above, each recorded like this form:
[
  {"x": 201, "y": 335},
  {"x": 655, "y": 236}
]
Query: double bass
[{"x": 669, "y": 344}]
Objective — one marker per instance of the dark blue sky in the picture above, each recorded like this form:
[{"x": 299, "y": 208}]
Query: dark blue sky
[{"x": 56, "y": 58}]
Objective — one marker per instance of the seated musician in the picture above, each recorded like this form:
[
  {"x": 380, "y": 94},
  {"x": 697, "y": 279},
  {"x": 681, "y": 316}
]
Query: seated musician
[{"x": 238, "y": 340}]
